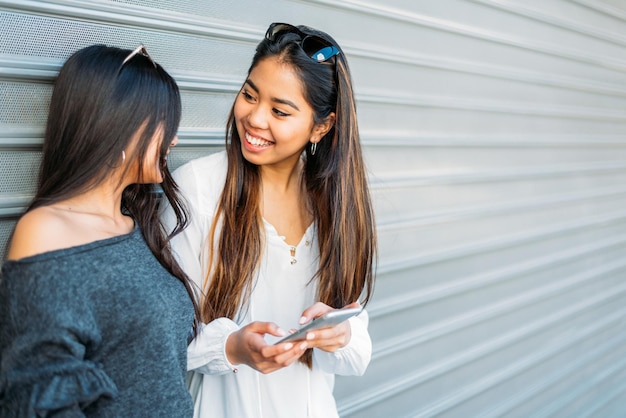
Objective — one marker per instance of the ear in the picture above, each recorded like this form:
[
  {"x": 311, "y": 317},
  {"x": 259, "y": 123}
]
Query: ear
[{"x": 322, "y": 128}]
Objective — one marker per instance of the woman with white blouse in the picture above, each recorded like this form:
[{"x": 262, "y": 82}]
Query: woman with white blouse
[{"x": 281, "y": 232}]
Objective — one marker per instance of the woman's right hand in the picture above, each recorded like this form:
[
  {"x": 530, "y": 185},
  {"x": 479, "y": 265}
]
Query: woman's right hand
[{"x": 247, "y": 346}]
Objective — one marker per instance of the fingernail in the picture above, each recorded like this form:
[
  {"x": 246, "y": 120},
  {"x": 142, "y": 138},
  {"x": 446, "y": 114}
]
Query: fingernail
[
  {"x": 288, "y": 346},
  {"x": 310, "y": 336},
  {"x": 302, "y": 320},
  {"x": 303, "y": 346},
  {"x": 281, "y": 332}
]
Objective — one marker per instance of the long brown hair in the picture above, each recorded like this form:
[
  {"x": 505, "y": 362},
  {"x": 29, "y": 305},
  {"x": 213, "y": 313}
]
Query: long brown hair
[{"x": 334, "y": 179}]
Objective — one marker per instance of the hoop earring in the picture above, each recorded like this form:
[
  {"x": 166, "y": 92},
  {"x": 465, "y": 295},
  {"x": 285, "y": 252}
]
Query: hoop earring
[{"x": 313, "y": 147}]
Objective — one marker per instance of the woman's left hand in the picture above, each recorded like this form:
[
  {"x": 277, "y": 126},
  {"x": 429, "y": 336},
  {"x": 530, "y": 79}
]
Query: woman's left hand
[{"x": 328, "y": 339}]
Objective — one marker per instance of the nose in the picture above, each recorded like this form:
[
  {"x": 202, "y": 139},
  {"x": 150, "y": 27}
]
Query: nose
[
  {"x": 174, "y": 141},
  {"x": 257, "y": 117}
]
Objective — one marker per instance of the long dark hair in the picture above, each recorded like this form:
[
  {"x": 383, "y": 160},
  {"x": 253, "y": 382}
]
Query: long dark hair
[
  {"x": 97, "y": 107},
  {"x": 335, "y": 181}
]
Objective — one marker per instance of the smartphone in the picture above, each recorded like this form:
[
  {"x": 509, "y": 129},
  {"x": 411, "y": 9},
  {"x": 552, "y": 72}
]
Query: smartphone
[{"x": 329, "y": 319}]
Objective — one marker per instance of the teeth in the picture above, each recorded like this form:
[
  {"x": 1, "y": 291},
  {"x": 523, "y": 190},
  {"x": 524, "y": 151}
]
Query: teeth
[{"x": 257, "y": 141}]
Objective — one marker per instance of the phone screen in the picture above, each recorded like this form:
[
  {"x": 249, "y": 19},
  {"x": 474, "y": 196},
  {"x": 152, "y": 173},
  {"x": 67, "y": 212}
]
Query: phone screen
[{"x": 329, "y": 319}]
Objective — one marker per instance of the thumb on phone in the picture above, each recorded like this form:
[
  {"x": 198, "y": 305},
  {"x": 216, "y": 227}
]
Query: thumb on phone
[{"x": 266, "y": 328}]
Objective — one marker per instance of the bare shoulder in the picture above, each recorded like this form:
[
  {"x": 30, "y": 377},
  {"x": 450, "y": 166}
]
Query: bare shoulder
[{"x": 41, "y": 230}]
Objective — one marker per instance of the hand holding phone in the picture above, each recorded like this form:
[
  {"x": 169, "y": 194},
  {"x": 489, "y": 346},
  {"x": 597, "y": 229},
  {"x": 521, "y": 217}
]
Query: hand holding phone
[{"x": 329, "y": 319}]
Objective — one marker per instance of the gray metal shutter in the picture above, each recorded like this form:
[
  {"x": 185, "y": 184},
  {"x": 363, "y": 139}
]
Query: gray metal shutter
[{"x": 495, "y": 133}]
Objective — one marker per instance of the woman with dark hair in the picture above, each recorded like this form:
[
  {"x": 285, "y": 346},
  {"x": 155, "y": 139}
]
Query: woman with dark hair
[
  {"x": 95, "y": 313},
  {"x": 281, "y": 231}
]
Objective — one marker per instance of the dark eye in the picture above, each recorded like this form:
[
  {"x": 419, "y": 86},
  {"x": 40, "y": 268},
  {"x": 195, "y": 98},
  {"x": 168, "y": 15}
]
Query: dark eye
[
  {"x": 279, "y": 113},
  {"x": 247, "y": 95}
]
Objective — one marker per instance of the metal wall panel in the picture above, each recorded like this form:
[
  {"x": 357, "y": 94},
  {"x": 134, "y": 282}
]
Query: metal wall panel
[{"x": 495, "y": 134}]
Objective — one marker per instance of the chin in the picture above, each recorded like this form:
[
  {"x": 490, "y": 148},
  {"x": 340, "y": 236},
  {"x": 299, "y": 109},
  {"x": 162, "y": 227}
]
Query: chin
[{"x": 250, "y": 157}]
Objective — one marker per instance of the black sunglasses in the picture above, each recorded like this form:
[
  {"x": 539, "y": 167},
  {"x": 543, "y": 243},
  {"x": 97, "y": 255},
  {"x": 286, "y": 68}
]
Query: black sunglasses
[{"x": 317, "y": 48}]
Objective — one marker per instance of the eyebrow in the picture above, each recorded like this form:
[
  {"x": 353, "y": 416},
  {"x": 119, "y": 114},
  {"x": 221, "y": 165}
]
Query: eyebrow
[{"x": 274, "y": 99}]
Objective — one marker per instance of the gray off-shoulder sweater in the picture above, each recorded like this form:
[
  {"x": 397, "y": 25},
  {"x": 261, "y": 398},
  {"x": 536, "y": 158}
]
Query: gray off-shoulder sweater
[{"x": 97, "y": 330}]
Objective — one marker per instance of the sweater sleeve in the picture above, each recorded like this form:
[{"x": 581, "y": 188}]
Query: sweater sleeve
[
  {"x": 44, "y": 337},
  {"x": 352, "y": 359}
]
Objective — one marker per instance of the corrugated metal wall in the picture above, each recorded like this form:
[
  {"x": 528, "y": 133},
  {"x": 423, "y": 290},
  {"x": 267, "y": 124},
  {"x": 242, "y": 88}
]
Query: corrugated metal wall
[{"x": 495, "y": 132}]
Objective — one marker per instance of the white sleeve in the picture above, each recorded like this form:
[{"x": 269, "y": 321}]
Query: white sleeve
[
  {"x": 352, "y": 359},
  {"x": 188, "y": 245},
  {"x": 207, "y": 352}
]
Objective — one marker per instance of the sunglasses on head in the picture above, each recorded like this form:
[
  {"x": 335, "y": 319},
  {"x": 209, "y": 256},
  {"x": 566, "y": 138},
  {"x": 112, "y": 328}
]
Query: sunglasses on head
[
  {"x": 317, "y": 48},
  {"x": 141, "y": 50}
]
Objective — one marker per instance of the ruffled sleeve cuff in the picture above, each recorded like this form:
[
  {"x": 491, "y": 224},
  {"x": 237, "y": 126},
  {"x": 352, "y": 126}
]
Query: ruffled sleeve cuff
[
  {"x": 352, "y": 359},
  {"x": 63, "y": 391},
  {"x": 207, "y": 352}
]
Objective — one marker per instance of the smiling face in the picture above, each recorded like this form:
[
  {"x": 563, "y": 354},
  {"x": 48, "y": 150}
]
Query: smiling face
[{"x": 274, "y": 120}]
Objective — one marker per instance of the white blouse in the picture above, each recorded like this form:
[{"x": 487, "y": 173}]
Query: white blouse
[{"x": 280, "y": 294}]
